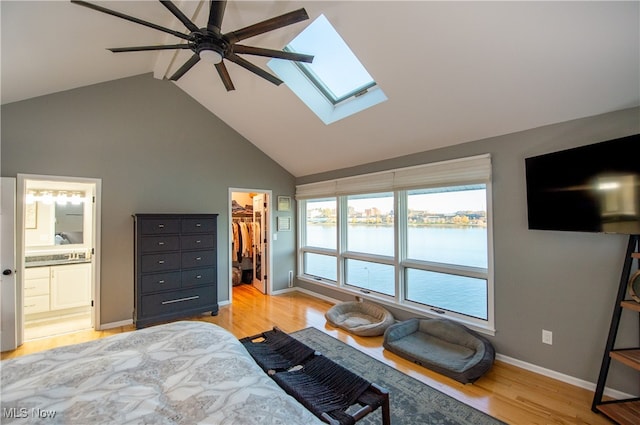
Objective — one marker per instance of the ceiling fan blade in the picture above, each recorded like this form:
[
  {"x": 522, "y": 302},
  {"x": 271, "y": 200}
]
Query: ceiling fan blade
[
  {"x": 253, "y": 68},
  {"x": 259, "y": 51},
  {"x": 268, "y": 25},
  {"x": 184, "y": 68},
  {"x": 216, "y": 13},
  {"x": 178, "y": 14},
  {"x": 130, "y": 18},
  {"x": 224, "y": 75},
  {"x": 145, "y": 48}
]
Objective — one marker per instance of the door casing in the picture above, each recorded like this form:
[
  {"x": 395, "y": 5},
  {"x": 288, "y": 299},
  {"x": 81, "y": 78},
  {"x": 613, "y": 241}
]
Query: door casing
[
  {"x": 22, "y": 180},
  {"x": 266, "y": 260}
]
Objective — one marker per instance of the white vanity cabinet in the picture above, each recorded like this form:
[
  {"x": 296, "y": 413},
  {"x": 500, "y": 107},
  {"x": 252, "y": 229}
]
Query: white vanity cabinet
[
  {"x": 57, "y": 287},
  {"x": 36, "y": 290},
  {"x": 70, "y": 286}
]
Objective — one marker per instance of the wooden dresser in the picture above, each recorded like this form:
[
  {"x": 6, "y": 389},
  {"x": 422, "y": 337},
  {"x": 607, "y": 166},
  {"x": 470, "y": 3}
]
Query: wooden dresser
[{"x": 175, "y": 266}]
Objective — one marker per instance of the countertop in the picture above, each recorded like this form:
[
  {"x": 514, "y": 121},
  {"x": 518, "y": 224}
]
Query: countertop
[{"x": 55, "y": 260}]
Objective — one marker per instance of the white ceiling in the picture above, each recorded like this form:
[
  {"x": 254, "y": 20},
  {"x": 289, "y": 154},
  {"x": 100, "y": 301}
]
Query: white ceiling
[{"x": 453, "y": 71}]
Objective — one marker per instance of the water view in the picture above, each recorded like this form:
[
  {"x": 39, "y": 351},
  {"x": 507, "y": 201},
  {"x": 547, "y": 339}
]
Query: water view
[{"x": 445, "y": 227}]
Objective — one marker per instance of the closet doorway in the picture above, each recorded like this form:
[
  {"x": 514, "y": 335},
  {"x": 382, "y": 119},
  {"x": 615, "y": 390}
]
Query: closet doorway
[{"x": 249, "y": 230}]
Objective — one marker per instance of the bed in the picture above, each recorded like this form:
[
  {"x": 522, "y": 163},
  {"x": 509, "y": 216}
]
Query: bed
[{"x": 178, "y": 373}]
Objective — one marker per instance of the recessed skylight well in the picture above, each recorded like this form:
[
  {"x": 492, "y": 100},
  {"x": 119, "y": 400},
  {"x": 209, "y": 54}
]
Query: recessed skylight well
[{"x": 336, "y": 85}]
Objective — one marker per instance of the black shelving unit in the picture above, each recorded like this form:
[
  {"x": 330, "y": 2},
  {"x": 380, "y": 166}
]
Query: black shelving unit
[{"x": 622, "y": 411}]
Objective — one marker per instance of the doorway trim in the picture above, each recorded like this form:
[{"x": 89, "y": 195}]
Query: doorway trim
[
  {"x": 20, "y": 242},
  {"x": 269, "y": 193}
]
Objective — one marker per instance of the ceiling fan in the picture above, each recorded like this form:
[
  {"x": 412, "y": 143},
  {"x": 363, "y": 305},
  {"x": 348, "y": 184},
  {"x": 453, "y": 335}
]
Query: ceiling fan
[{"x": 211, "y": 45}]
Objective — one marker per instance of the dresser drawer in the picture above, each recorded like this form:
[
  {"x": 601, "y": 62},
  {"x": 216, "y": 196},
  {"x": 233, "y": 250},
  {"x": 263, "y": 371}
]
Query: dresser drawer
[
  {"x": 159, "y": 244},
  {"x": 198, "y": 277},
  {"x": 198, "y": 259},
  {"x": 198, "y": 225},
  {"x": 37, "y": 304},
  {"x": 159, "y": 282},
  {"x": 197, "y": 241},
  {"x": 159, "y": 262},
  {"x": 159, "y": 226},
  {"x": 183, "y": 300}
]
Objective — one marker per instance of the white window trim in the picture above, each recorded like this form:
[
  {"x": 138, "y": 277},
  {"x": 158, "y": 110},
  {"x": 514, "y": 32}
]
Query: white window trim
[{"x": 476, "y": 169}]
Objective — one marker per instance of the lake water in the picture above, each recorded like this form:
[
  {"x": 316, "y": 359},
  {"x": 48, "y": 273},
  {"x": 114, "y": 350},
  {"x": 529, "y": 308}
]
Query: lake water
[{"x": 466, "y": 246}]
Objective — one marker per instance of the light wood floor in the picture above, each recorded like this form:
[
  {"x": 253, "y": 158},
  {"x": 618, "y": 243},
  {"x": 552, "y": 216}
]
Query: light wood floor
[{"x": 506, "y": 392}]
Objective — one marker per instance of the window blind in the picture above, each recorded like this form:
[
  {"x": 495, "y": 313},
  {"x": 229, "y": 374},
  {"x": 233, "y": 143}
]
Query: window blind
[{"x": 475, "y": 169}]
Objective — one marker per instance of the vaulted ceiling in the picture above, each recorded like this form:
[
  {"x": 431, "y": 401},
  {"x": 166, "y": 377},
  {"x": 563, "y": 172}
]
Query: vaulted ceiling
[{"x": 453, "y": 71}]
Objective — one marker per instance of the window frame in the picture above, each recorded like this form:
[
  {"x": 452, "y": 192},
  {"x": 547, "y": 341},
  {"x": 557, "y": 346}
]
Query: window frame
[
  {"x": 323, "y": 88},
  {"x": 399, "y": 260}
]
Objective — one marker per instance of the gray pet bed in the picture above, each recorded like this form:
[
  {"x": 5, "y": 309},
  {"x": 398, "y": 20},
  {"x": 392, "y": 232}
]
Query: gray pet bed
[
  {"x": 442, "y": 345},
  {"x": 360, "y": 318}
]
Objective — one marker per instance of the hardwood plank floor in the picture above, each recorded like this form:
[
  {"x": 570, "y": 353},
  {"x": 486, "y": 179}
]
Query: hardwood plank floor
[{"x": 506, "y": 392}]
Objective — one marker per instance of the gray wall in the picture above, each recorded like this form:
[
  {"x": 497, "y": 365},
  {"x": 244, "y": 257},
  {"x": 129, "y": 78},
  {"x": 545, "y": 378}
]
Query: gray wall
[
  {"x": 156, "y": 150},
  {"x": 565, "y": 282}
]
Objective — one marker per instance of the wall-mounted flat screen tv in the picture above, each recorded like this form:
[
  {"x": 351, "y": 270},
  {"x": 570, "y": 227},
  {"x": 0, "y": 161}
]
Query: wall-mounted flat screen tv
[{"x": 593, "y": 188}]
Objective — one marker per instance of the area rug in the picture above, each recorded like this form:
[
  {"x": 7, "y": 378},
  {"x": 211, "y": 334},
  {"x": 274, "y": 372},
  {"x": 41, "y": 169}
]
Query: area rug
[{"x": 411, "y": 401}]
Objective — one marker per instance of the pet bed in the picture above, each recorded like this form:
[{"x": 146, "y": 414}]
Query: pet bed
[
  {"x": 442, "y": 345},
  {"x": 360, "y": 318}
]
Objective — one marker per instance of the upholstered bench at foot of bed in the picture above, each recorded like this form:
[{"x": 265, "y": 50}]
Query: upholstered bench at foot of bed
[
  {"x": 441, "y": 345},
  {"x": 360, "y": 318}
]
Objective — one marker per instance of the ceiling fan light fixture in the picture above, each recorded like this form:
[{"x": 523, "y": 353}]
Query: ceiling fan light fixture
[{"x": 210, "y": 54}]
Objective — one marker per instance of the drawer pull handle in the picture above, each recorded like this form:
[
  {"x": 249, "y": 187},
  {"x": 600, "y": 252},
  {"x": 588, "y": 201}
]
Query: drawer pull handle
[
  {"x": 198, "y": 258},
  {"x": 160, "y": 243},
  {"x": 198, "y": 225},
  {"x": 160, "y": 226},
  {"x": 161, "y": 282},
  {"x": 29, "y": 306},
  {"x": 198, "y": 241},
  {"x": 181, "y": 299},
  {"x": 199, "y": 276},
  {"x": 161, "y": 262}
]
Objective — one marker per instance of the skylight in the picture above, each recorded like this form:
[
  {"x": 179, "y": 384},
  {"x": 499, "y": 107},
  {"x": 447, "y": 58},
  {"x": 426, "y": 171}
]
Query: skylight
[{"x": 336, "y": 84}]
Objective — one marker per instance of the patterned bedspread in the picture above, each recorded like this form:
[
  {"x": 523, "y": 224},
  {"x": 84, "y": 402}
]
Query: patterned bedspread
[{"x": 178, "y": 373}]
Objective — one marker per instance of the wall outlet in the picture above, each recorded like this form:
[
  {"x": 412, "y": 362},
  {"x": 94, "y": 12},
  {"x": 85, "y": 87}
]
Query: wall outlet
[{"x": 547, "y": 337}]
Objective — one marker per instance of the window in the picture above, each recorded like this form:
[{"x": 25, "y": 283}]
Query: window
[
  {"x": 446, "y": 242},
  {"x": 335, "y": 85},
  {"x": 320, "y": 235},
  {"x": 416, "y": 237},
  {"x": 335, "y": 70},
  {"x": 370, "y": 224}
]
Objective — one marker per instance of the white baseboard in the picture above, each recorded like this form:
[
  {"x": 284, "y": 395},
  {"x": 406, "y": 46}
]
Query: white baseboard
[
  {"x": 315, "y": 294},
  {"x": 112, "y": 325},
  {"x": 581, "y": 383},
  {"x": 282, "y": 291}
]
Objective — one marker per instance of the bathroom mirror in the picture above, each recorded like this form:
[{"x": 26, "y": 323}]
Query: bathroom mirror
[
  {"x": 56, "y": 219},
  {"x": 69, "y": 224}
]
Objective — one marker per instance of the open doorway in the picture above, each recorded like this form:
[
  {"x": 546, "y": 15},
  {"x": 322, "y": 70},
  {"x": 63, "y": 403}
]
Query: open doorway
[
  {"x": 59, "y": 233},
  {"x": 249, "y": 230}
]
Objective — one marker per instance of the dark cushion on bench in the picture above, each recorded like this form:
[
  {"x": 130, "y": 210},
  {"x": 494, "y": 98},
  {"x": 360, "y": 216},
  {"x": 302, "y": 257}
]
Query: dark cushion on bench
[{"x": 441, "y": 345}]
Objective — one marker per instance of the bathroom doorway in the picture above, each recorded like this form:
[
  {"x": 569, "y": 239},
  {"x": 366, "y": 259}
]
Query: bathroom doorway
[{"x": 59, "y": 235}]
